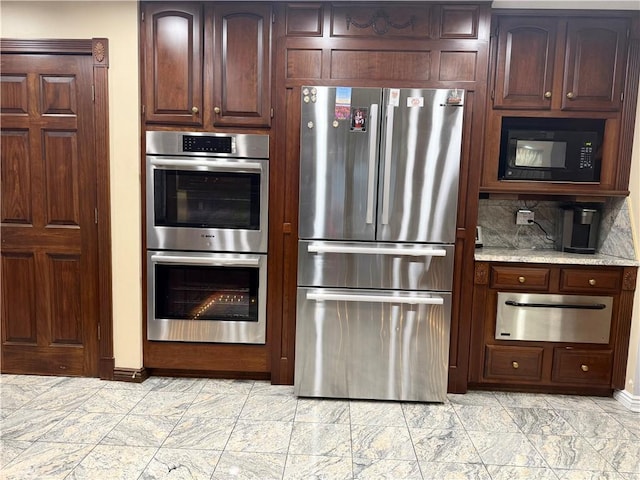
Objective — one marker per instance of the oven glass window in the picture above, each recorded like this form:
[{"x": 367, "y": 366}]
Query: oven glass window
[
  {"x": 207, "y": 199},
  {"x": 184, "y": 292}
]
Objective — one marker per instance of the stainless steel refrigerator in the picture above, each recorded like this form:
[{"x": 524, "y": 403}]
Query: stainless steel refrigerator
[{"x": 379, "y": 176}]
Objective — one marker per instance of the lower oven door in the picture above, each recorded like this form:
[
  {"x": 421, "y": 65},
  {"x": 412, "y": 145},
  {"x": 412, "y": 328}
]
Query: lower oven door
[
  {"x": 206, "y": 297},
  {"x": 372, "y": 344}
]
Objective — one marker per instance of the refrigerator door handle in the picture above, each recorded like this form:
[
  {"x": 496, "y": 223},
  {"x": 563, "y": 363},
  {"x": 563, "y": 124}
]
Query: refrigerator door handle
[
  {"x": 410, "y": 252},
  {"x": 350, "y": 297},
  {"x": 373, "y": 142},
  {"x": 386, "y": 186}
]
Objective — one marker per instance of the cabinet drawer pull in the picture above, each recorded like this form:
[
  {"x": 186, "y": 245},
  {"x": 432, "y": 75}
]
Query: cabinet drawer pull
[
  {"x": 194, "y": 110},
  {"x": 547, "y": 94},
  {"x": 592, "y": 281},
  {"x": 217, "y": 110},
  {"x": 584, "y": 368},
  {"x": 521, "y": 279},
  {"x": 571, "y": 95},
  {"x": 517, "y": 365}
]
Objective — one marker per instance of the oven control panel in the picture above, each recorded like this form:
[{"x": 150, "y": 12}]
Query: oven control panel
[{"x": 207, "y": 144}]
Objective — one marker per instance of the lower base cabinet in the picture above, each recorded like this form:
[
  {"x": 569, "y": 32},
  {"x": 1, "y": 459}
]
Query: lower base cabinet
[{"x": 554, "y": 367}]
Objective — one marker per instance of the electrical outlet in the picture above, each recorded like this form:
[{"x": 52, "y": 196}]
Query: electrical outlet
[{"x": 524, "y": 217}]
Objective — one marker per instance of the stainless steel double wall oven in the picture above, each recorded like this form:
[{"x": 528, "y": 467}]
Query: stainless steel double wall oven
[{"x": 206, "y": 226}]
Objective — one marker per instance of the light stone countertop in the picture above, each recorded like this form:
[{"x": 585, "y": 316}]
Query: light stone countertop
[{"x": 494, "y": 254}]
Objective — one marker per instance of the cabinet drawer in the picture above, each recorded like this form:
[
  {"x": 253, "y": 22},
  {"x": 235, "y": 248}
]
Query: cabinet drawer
[
  {"x": 520, "y": 278},
  {"x": 518, "y": 363},
  {"x": 585, "y": 280},
  {"x": 582, "y": 366}
]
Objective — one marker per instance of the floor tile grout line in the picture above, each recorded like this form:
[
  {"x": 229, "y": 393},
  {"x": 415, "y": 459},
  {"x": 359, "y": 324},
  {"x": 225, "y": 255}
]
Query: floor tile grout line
[{"x": 413, "y": 443}]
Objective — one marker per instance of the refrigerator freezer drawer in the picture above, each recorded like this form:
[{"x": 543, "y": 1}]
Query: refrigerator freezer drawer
[
  {"x": 372, "y": 344},
  {"x": 375, "y": 265},
  {"x": 553, "y": 318}
]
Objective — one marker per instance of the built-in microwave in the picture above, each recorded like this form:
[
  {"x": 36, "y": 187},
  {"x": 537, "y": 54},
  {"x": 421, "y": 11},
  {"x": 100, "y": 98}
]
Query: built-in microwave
[{"x": 552, "y": 150}]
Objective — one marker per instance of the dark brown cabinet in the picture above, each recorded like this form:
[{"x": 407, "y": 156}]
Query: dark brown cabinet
[
  {"x": 207, "y": 65},
  {"x": 594, "y": 368},
  {"x": 241, "y": 94},
  {"x": 576, "y": 64},
  {"x": 173, "y": 62}
]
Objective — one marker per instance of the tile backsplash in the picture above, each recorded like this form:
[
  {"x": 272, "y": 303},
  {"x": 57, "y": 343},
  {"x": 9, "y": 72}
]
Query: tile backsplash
[{"x": 498, "y": 221}]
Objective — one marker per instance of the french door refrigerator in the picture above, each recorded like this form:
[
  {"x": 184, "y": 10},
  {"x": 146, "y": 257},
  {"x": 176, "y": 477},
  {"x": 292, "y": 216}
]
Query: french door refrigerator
[{"x": 379, "y": 176}]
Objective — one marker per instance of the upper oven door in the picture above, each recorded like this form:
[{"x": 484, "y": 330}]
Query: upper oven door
[{"x": 207, "y": 203}]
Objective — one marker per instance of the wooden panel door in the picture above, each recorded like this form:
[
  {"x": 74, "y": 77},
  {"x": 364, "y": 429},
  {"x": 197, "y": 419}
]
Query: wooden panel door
[
  {"x": 596, "y": 56},
  {"x": 173, "y": 63},
  {"x": 48, "y": 255},
  {"x": 524, "y": 63},
  {"x": 242, "y": 65}
]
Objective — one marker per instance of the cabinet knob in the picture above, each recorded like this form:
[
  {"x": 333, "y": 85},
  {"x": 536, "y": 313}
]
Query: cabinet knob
[
  {"x": 217, "y": 110},
  {"x": 592, "y": 281},
  {"x": 194, "y": 110},
  {"x": 547, "y": 94},
  {"x": 521, "y": 279},
  {"x": 570, "y": 95},
  {"x": 516, "y": 365},
  {"x": 584, "y": 368}
]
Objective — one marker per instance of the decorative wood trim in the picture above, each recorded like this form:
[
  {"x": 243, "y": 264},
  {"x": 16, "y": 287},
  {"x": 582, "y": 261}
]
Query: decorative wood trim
[
  {"x": 629, "y": 278},
  {"x": 131, "y": 375},
  {"x": 481, "y": 276},
  {"x": 101, "y": 155},
  {"x": 380, "y": 22},
  {"x": 628, "y": 114}
]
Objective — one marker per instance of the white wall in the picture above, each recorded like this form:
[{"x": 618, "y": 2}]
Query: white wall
[{"x": 117, "y": 21}]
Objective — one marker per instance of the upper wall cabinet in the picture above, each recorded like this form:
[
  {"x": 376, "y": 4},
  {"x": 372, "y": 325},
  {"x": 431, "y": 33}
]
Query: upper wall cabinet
[
  {"x": 241, "y": 64},
  {"x": 173, "y": 43},
  {"x": 547, "y": 63},
  {"x": 207, "y": 65}
]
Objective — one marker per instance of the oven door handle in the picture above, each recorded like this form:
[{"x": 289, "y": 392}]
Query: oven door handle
[
  {"x": 209, "y": 165},
  {"x": 350, "y": 297},
  {"x": 410, "y": 252},
  {"x": 584, "y": 306},
  {"x": 214, "y": 261}
]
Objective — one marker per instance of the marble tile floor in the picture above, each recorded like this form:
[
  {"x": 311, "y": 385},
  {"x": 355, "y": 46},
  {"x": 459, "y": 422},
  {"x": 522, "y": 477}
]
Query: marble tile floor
[{"x": 177, "y": 428}]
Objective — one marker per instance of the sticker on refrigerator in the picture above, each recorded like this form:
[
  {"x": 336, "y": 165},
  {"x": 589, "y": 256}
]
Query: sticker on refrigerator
[
  {"x": 394, "y": 97},
  {"x": 415, "y": 101},
  {"x": 359, "y": 119},
  {"x": 343, "y": 103}
]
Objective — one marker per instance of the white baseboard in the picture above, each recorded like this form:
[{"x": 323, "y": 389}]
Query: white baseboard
[{"x": 630, "y": 401}]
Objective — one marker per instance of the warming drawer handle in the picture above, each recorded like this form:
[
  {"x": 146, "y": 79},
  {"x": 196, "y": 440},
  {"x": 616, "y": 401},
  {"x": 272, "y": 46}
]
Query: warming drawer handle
[
  {"x": 373, "y": 141},
  {"x": 585, "y": 306},
  {"x": 410, "y": 252},
  {"x": 223, "y": 261},
  {"x": 207, "y": 164},
  {"x": 349, "y": 297}
]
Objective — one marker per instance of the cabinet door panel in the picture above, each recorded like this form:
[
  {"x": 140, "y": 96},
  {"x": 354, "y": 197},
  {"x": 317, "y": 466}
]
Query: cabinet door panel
[
  {"x": 524, "y": 69},
  {"x": 242, "y": 67},
  {"x": 173, "y": 63},
  {"x": 594, "y": 64}
]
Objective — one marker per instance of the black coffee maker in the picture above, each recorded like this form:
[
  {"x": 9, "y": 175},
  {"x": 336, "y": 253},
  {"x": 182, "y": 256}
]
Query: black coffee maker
[{"x": 578, "y": 229}]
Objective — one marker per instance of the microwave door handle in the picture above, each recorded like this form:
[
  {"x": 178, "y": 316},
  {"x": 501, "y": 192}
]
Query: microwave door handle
[
  {"x": 373, "y": 141},
  {"x": 584, "y": 306},
  {"x": 352, "y": 297},
  {"x": 206, "y": 261},
  {"x": 386, "y": 179},
  {"x": 209, "y": 165}
]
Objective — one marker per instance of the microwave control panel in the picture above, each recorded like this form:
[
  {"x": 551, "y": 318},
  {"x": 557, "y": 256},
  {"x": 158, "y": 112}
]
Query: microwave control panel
[{"x": 586, "y": 157}]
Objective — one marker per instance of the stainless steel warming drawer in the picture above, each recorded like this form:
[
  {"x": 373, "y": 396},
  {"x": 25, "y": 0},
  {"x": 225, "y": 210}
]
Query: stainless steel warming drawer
[{"x": 553, "y": 318}]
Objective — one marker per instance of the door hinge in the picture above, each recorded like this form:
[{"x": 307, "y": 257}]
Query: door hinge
[
  {"x": 98, "y": 331},
  {"x": 95, "y": 215},
  {"x": 143, "y": 109},
  {"x": 271, "y": 113},
  {"x": 93, "y": 93},
  {"x": 492, "y": 95},
  {"x": 621, "y": 97},
  {"x": 142, "y": 16},
  {"x": 273, "y": 17}
]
